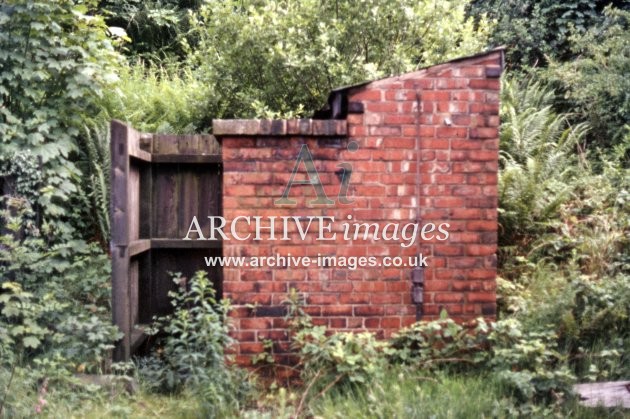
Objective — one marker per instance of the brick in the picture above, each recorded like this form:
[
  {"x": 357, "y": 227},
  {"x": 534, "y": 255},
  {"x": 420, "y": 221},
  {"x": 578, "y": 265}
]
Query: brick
[
  {"x": 451, "y": 132},
  {"x": 493, "y": 71},
  {"x": 453, "y": 107},
  {"x": 484, "y": 108},
  {"x": 472, "y": 71},
  {"x": 478, "y": 155},
  {"x": 399, "y": 142},
  {"x": 448, "y": 202},
  {"x": 447, "y": 250},
  {"x": 481, "y": 297},
  {"x": 482, "y": 225},
  {"x": 484, "y": 132},
  {"x": 434, "y": 144},
  {"x": 372, "y": 323},
  {"x": 390, "y": 323},
  {"x": 465, "y": 144},
  {"x": 339, "y": 323},
  {"x": 484, "y": 84},
  {"x": 466, "y": 285},
  {"x": 465, "y": 190},
  {"x": 389, "y": 298},
  {"x": 384, "y": 130},
  {"x": 351, "y": 298},
  {"x": 400, "y": 95},
  {"x": 251, "y": 347},
  {"x": 239, "y": 287},
  {"x": 481, "y": 274},
  {"x": 451, "y": 83},
  {"x": 436, "y": 95},
  {"x": 369, "y": 166},
  {"x": 318, "y": 299},
  {"x": 324, "y": 127},
  {"x": 448, "y": 298},
  {"x": 480, "y": 250},
  {"x": 337, "y": 310},
  {"x": 368, "y": 311},
  {"x": 255, "y": 324},
  {"x": 437, "y": 285},
  {"x": 492, "y": 121},
  {"x": 381, "y": 107},
  {"x": 273, "y": 335},
  {"x": 463, "y": 262},
  {"x": 368, "y": 95}
]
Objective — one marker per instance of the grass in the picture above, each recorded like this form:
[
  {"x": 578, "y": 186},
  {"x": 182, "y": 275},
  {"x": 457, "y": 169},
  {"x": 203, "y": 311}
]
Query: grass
[
  {"x": 400, "y": 394},
  {"x": 413, "y": 394},
  {"x": 408, "y": 394}
]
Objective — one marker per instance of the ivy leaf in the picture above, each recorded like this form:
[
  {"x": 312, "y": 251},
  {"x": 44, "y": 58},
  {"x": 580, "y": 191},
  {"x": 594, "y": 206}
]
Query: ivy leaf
[{"x": 31, "y": 342}]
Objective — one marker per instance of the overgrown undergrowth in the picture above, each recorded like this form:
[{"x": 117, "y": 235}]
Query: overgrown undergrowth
[{"x": 564, "y": 257}]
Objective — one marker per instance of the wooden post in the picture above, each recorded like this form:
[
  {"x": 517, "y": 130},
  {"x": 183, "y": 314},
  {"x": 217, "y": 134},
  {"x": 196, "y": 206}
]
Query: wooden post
[{"x": 120, "y": 237}]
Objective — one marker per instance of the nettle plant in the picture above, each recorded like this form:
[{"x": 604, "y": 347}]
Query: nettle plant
[
  {"x": 195, "y": 335},
  {"x": 190, "y": 353}
]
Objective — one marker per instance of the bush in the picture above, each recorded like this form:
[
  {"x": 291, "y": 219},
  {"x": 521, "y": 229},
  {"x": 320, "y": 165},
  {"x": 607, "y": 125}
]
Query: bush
[
  {"x": 526, "y": 362},
  {"x": 333, "y": 359},
  {"x": 340, "y": 357},
  {"x": 595, "y": 85},
  {"x": 40, "y": 282},
  {"x": 191, "y": 354},
  {"x": 442, "y": 345},
  {"x": 54, "y": 315},
  {"x": 535, "y": 30},
  {"x": 56, "y": 64},
  {"x": 282, "y": 58},
  {"x": 589, "y": 317}
]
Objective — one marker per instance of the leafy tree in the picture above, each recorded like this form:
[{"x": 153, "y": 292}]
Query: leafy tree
[
  {"x": 535, "y": 30},
  {"x": 55, "y": 63},
  {"x": 596, "y": 85},
  {"x": 281, "y": 57},
  {"x": 152, "y": 26}
]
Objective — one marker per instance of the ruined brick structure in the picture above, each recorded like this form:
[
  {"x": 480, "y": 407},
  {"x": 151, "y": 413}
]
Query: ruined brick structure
[{"x": 428, "y": 142}]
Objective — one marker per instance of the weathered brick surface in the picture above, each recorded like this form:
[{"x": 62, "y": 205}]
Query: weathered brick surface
[{"x": 427, "y": 142}]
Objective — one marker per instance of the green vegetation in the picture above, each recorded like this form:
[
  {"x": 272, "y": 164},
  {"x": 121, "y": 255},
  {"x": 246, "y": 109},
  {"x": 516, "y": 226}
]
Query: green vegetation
[{"x": 68, "y": 66}]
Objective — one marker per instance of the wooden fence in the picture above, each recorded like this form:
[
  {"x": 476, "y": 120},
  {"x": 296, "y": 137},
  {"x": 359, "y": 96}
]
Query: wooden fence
[{"x": 159, "y": 182}]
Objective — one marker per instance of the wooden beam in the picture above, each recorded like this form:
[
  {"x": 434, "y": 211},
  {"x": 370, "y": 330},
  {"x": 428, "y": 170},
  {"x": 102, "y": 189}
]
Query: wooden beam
[
  {"x": 607, "y": 394},
  {"x": 187, "y": 158},
  {"x": 139, "y": 246},
  {"x": 120, "y": 237},
  {"x": 185, "y": 244},
  {"x": 140, "y": 155}
]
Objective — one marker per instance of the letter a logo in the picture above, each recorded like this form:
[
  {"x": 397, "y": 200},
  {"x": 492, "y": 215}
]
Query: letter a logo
[{"x": 313, "y": 179}]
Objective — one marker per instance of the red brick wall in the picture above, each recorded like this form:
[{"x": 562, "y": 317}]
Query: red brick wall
[{"x": 444, "y": 117}]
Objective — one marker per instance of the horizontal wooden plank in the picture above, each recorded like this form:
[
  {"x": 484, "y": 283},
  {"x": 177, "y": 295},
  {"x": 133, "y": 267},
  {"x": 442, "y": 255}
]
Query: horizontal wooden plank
[
  {"x": 139, "y": 246},
  {"x": 185, "y": 244},
  {"x": 139, "y": 154},
  {"x": 608, "y": 394},
  {"x": 187, "y": 158}
]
